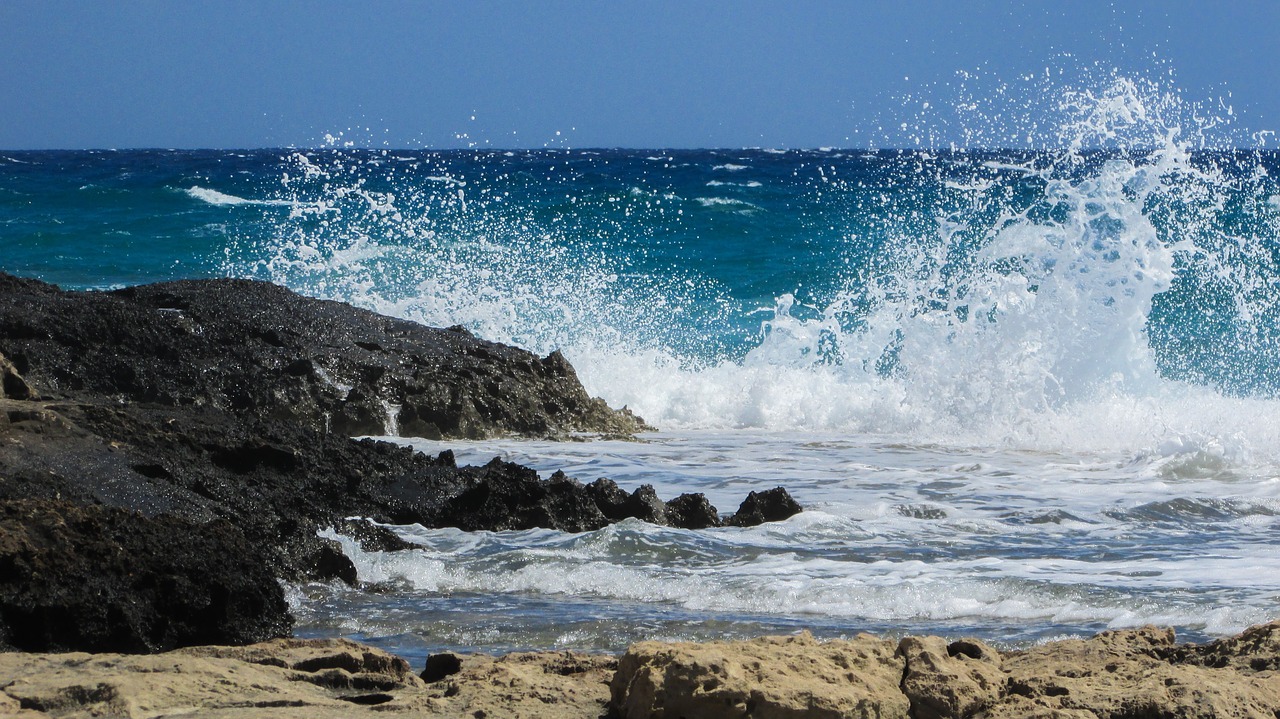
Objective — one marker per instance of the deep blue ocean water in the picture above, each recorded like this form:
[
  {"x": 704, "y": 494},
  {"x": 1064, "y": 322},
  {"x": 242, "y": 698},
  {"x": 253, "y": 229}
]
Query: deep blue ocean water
[{"x": 1022, "y": 393}]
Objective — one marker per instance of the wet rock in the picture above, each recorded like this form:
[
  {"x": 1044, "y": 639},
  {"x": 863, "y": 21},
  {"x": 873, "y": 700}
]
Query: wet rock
[
  {"x": 609, "y": 498},
  {"x": 773, "y": 505},
  {"x": 371, "y": 537},
  {"x": 227, "y": 404},
  {"x": 643, "y": 504},
  {"x": 692, "y": 511},
  {"x": 95, "y": 578},
  {"x": 508, "y": 496}
]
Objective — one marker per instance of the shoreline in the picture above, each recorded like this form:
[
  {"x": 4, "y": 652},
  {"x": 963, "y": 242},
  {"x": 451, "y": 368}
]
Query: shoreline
[{"x": 1116, "y": 674}]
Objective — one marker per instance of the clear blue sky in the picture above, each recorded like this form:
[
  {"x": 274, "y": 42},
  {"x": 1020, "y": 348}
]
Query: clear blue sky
[{"x": 270, "y": 73}]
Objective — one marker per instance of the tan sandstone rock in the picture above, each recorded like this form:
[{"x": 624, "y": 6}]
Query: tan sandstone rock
[
  {"x": 949, "y": 680},
  {"x": 766, "y": 678},
  {"x": 527, "y": 685},
  {"x": 307, "y": 679},
  {"x": 299, "y": 679},
  {"x": 1132, "y": 673}
]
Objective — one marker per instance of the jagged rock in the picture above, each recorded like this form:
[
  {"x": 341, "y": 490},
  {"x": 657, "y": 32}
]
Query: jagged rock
[
  {"x": 98, "y": 578},
  {"x": 259, "y": 349},
  {"x": 287, "y": 678},
  {"x": 692, "y": 511},
  {"x": 610, "y": 498},
  {"x": 1116, "y": 675},
  {"x": 1255, "y": 650},
  {"x": 509, "y": 496},
  {"x": 767, "y": 677},
  {"x": 371, "y": 537},
  {"x": 1130, "y": 673},
  {"x": 643, "y": 504},
  {"x": 772, "y": 505}
]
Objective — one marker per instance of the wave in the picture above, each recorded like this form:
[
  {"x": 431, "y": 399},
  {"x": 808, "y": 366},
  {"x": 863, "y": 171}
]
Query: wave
[
  {"x": 980, "y": 298},
  {"x": 725, "y": 202},
  {"x": 221, "y": 199}
]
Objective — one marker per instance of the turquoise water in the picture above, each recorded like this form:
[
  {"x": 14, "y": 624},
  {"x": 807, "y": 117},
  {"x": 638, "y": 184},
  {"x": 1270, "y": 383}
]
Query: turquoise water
[{"x": 1021, "y": 393}]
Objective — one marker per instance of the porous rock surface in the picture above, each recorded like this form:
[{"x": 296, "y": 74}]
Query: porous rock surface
[
  {"x": 767, "y": 677},
  {"x": 1129, "y": 674},
  {"x": 1132, "y": 674}
]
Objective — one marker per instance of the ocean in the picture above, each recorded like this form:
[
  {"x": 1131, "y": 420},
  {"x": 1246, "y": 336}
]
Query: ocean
[{"x": 1021, "y": 393}]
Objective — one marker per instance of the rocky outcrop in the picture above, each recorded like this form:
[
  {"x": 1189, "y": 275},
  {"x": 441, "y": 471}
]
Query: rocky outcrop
[
  {"x": 300, "y": 679},
  {"x": 1115, "y": 675},
  {"x": 773, "y": 505},
  {"x": 263, "y": 351},
  {"x": 222, "y": 409},
  {"x": 1135, "y": 674},
  {"x": 100, "y": 579},
  {"x": 767, "y": 677}
]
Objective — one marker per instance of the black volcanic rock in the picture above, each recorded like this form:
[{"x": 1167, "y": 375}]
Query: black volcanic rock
[
  {"x": 509, "y": 496},
  {"x": 771, "y": 505},
  {"x": 262, "y": 350},
  {"x": 692, "y": 511},
  {"x": 610, "y": 498},
  {"x": 98, "y": 579},
  {"x": 193, "y": 439}
]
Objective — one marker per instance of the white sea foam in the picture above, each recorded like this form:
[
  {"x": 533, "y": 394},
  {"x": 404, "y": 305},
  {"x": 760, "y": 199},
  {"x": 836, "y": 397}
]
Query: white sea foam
[
  {"x": 214, "y": 197},
  {"x": 725, "y": 202},
  {"x": 730, "y": 167}
]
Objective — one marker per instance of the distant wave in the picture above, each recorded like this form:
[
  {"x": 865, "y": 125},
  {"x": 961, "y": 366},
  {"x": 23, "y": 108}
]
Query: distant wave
[
  {"x": 725, "y": 202},
  {"x": 718, "y": 183},
  {"x": 730, "y": 167},
  {"x": 222, "y": 199}
]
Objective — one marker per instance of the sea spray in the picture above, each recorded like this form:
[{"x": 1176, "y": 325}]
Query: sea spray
[{"x": 960, "y": 296}]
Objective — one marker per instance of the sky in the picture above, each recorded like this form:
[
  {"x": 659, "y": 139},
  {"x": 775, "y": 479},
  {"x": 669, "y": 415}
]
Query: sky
[{"x": 503, "y": 74}]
